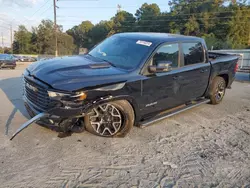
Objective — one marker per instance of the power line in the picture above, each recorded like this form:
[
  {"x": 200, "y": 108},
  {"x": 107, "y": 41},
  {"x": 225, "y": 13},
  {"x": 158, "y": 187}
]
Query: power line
[
  {"x": 133, "y": 6},
  {"x": 105, "y": 7},
  {"x": 36, "y": 11},
  {"x": 40, "y": 8},
  {"x": 77, "y": 0},
  {"x": 2, "y": 20},
  {"x": 168, "y": 20},
  {"x": 155, "y": 25},
  {"x": 45, "y": 10},
  {"x": 4, "y": 27},
  {"x": 39, "y": 14},
  {"x": 149, "y": 25},
  {"x": 167, "y": 14}
]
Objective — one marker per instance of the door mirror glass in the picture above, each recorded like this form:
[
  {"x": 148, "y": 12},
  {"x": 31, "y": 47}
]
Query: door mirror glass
[{"x": 161, "y": 66}]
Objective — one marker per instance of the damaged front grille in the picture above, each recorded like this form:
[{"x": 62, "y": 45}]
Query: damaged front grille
[{"x": 36, "y": 94}]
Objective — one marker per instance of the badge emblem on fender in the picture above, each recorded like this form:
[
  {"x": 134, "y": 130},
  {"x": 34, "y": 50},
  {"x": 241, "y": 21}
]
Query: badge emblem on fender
[
  {"x": 151, "y": 104},
  {"x": 31, "y": 87}
]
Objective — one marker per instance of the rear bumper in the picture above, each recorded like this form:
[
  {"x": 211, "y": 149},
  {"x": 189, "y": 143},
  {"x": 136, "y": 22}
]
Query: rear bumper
[{"x": 8, "y": 66}]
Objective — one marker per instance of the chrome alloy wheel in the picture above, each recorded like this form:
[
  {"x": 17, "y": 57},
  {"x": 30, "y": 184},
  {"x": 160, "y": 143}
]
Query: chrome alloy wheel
[
  {"x": 105, "y": 119},
  {"x": 220, "y": 91}
]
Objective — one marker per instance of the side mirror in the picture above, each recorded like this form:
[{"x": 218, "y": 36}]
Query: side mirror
[{"x": 162, "y": 66}]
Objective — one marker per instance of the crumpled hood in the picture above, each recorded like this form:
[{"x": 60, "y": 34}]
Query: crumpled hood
[{"x": 76, "y": 72}]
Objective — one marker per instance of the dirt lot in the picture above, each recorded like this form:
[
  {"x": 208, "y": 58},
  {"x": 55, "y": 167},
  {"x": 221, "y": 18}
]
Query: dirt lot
[{"x": 208, "y": 146}]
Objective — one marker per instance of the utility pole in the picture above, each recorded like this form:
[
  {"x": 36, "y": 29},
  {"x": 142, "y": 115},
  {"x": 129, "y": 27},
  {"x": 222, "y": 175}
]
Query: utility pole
[
  {"x": 11, "y": 41},
  {"x": 119, "y": 8},
  {"x": 2, "y": 43},
  {"x": 55, "y": 28}
]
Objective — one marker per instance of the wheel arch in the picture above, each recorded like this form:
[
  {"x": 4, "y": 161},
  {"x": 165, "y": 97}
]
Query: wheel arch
[
  {"x": 110, "y": 98},
  {"x": 225, "y": 76}
]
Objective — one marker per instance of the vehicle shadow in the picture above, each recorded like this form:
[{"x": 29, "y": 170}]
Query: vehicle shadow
[{"x": 13, "y": 89}]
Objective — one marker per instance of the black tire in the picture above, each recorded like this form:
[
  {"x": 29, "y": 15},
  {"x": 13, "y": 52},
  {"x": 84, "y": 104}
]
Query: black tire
[
  {"x": 217, "y": 90},
  {"x": 126, "y": 113}
]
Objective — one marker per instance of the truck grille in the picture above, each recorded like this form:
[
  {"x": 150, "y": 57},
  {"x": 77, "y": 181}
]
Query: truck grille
[{"x": 37, "y": 95}]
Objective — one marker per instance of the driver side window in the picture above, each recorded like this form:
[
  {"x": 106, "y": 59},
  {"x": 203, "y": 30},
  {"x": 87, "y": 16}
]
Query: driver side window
[{"x": 167, "y": 52}]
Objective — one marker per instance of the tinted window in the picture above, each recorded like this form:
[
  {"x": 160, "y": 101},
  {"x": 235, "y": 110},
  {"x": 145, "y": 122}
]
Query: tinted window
[
  {"x": 168, "y": 52},
  {"x": 193, "y": 53},
  {"x": 122, "y": 52}
]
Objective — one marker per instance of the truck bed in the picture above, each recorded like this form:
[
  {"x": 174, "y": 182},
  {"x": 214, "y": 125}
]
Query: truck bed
[{"x": 217, "y": 56}]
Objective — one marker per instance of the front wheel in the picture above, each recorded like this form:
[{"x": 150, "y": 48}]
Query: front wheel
[
  {"x": 110, "y": 119},
  {"x": 218, "y": 90}
]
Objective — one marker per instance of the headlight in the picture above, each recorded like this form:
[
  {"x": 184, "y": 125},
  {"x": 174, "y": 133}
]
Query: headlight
[
  {"x": 53, "y": 94},
  {"x": 79, "y": 96}
]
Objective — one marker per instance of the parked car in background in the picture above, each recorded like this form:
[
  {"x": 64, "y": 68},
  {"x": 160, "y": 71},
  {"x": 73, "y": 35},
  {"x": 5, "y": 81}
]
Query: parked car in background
[
  {"x": 7, "y": 61},
  {"x": 18, "y": 58},
  {"x": 128, "y": 79},
  {"x": 31, "y": 59}
]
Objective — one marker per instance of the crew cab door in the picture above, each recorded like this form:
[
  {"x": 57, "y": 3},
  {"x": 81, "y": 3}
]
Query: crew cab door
[
  {"x": 194, "y": 71},
  {"x": 160, "y": 89},
  {"x": 187, "y": 80}
]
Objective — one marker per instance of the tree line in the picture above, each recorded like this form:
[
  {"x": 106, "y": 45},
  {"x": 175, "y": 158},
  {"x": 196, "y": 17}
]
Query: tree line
[
  {"x": 223, "y": 24},
  {"x": 41, "y": 40}
]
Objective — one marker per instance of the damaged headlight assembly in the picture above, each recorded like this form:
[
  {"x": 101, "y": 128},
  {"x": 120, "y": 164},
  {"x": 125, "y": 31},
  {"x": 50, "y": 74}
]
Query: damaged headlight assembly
[{"x": 78, "y": 96}]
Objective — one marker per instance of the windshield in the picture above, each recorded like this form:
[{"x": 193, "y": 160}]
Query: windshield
[
  {"x": 121, "y": 52},
  {"x": 5, "y": 57}
]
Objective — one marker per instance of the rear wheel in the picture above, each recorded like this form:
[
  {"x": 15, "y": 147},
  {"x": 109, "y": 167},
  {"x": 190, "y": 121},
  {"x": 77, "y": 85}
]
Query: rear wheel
[
  {"x": 218, "y": 90},
  {"x": 110, "y": 119}
]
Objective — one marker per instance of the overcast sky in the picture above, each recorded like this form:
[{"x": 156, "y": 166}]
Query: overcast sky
[{"x": 69, "y": 13}]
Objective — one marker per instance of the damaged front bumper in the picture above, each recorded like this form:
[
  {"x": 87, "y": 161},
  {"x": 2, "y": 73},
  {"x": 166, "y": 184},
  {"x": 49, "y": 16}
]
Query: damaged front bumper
[
  {"x": 26, "y": 124},
  {"x": 61, "y": 113}
]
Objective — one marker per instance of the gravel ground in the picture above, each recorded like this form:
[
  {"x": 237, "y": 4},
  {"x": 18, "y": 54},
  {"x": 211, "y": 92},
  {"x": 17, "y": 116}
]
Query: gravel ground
[{"x": 208, "y": 146}]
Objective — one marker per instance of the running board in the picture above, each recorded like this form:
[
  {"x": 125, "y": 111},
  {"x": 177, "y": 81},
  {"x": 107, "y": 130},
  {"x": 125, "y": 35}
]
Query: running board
[{"x": 173, "y": 112}]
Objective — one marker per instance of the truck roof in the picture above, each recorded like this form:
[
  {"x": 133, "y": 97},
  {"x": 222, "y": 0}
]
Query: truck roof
[{"x": 159, "y": 37}]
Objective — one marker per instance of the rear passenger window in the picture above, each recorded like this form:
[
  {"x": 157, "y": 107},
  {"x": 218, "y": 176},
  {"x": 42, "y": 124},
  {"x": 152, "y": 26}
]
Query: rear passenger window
[
  {"x": 193, "y": 53},
  {"x": 167, "y": 52}
]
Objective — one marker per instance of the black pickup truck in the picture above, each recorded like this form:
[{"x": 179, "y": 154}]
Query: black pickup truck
[{"x": 128, "y": 79}]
